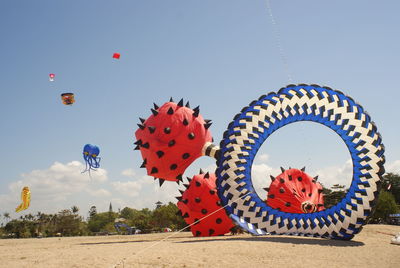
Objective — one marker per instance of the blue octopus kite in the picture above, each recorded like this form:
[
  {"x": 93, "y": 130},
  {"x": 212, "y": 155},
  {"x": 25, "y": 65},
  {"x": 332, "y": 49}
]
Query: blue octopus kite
[{"x": 90, "y": 154}]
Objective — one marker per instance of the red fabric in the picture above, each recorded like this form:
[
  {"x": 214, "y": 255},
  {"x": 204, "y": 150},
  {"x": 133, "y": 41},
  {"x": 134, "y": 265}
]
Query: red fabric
[
  {"x": 199, "y": 200},
  {"x": 297, "y": 193},
  {"x": 178, "y": 149},
  {"x": 116, "y": 55}
]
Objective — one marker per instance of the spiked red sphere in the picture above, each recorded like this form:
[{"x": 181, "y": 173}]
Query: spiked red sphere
[
  {"x": 171, "y": 139},
  {"x": 199, "y": 200},
  {"x": 295, "y": 191}
]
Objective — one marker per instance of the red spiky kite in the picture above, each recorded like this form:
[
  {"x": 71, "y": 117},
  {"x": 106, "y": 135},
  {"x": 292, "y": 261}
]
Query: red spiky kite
[
  {"x": 199, "y": 200},
  {"x": 294, "y": 191},
  {"x": 171, "y": 139}
]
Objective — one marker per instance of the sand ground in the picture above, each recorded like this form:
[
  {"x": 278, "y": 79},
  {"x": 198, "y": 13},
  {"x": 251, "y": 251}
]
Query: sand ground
[{"x": 370, "y": 248}]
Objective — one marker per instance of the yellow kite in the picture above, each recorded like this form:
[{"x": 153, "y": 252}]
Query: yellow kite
[{"x": 26, "y": 199}]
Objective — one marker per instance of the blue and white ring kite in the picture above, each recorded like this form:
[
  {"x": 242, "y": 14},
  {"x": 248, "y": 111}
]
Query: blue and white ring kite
[{"x": 249, "y": 129}]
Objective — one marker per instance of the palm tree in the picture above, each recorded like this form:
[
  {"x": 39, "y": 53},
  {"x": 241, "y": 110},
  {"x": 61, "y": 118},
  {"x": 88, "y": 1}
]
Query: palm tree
[
  {"x": 6, "y": 216},
  {"x": 74, "y": 209}
]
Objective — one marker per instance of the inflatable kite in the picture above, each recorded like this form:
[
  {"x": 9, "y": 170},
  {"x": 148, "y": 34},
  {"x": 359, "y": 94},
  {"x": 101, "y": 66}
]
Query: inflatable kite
[
  {"x": 116, "y": 56},
  {"x": 200, "y": 200},
  {"x": 295, "y": 191},
  {"x": 51, "y": 77},
  {"x": 26, "y": 199},
  {"x": 68, "y": 98},
  {"x": 91, "y": 157},
  {"x": 171, "y": 139},
  {"x": 259, "y": 120}
]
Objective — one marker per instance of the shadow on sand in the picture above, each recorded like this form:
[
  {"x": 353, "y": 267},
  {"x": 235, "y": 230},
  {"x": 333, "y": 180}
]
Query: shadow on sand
[{"x": 289, "y": 240}]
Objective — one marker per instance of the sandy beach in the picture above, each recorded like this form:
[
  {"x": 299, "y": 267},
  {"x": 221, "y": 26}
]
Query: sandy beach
[{"x": 370, "y": 248}]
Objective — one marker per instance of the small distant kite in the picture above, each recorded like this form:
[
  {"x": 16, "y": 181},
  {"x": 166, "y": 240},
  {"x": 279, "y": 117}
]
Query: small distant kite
[
  {"x": 26, "y": 199},
  {"x": 116, "y": 56},
  {"x": 91, "y": 157},
  {"x": 51, "y": 77},
  {"x": 68, "y": 98}
]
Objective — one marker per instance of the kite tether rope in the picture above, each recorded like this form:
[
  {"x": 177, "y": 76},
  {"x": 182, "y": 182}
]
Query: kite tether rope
[
  {"x": 278, "y": 42},
  {"x": 175, "y": 233}
]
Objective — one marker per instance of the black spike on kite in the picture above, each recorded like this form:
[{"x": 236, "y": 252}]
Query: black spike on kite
[
  {"x": 170, "y": 111},
  {"x": 141, "y": 126},
  {"x": 144, "y": 163},
  {"x": 303, "y": 169},
  {"x": 207, "y": 125},
  {"x": 201, "y": 171},
  {"x": 196, "y": 111},
  {"x": 272, "y": 177},
  {"x": 142, "y": 120},
  {"x": 180, "y": 103},
  {"x": 282, "y": 169},
  {"x": 171, "y": 100},
  {"x": 154, "y": 112},
  {"x": 187, "y": 104},
  {"x": 155, "y": 106},
  {"x": 161, "y": 181}
]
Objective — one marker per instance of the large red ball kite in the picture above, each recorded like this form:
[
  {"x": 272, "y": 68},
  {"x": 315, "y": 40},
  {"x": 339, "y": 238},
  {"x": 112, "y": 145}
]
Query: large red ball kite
[
  {"x": 295, "y": 191},
  {"x": 171, "y": 139},
  {"x": 200, "y": 201}
]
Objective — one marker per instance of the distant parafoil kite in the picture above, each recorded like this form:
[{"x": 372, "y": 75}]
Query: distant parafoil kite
[
  {"x": 171, "y": 139},
  {"x": 91, "y": 157},
  {"x": 51, "y": 77},
  {"x": 68, "y": 98},
  {"x": 26, "y": 199},
  {"x": 116, "y": 56}
]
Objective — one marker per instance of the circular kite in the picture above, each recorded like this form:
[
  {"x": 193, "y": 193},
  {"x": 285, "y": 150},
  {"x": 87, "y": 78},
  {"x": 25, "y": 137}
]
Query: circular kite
[{"x": 249, "y": 129}]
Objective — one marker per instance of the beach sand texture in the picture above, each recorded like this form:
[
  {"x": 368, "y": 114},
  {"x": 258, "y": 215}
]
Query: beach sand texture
[{"x": 370, "y": 248}]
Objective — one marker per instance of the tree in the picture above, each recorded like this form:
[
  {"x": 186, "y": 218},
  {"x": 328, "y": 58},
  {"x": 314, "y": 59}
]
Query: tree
[
  {"x": 6, "y": 216},
  {"x": 127, "y": 213},
  {"x": 166, "y": 216},
  {"x": 334, "y": 195},
  {"x": 391, "y": 182},
  {"x": 386, "y": 205},
  {"x": 92, "y": 211},
  {"x": 74, "y": 209}
]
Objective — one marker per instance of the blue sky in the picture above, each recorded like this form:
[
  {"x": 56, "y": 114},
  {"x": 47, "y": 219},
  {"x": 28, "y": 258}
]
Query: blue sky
[{"x": 220, "y": 55}]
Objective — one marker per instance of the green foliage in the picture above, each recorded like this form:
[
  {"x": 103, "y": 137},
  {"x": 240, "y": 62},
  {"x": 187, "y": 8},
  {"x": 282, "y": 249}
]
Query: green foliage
[
  {"x": 386, "y": 205},
  {"x": 68, "y": 222},
  {"x": 98, "y": 222},
  {"x": 166, "y": 216},
  {"x": 394, "y": 181},
  {"x": 334, "y": 195}
]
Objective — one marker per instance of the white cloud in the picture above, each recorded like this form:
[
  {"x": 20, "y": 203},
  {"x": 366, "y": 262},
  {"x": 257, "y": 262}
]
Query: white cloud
[
  {"x": 130, "y": 188},
  {"x": 52, "y": 188},
  {"x": 262, "y": 158},
  {"x": 99, "y": 192},
  {"x": 393, "y": 167},
  {"x": 336, "y": 174},
  {"x": 128, "y": 173}
]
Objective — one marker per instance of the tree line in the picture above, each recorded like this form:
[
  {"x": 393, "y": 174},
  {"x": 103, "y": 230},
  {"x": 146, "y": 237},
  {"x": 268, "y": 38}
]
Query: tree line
[{"x": 68, "y": 222}]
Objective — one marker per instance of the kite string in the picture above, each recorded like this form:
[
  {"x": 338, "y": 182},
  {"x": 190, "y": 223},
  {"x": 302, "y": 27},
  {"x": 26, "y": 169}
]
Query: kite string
[
  {"x": 177, "y": 232},
  {"x": 278, "y": 42}
]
